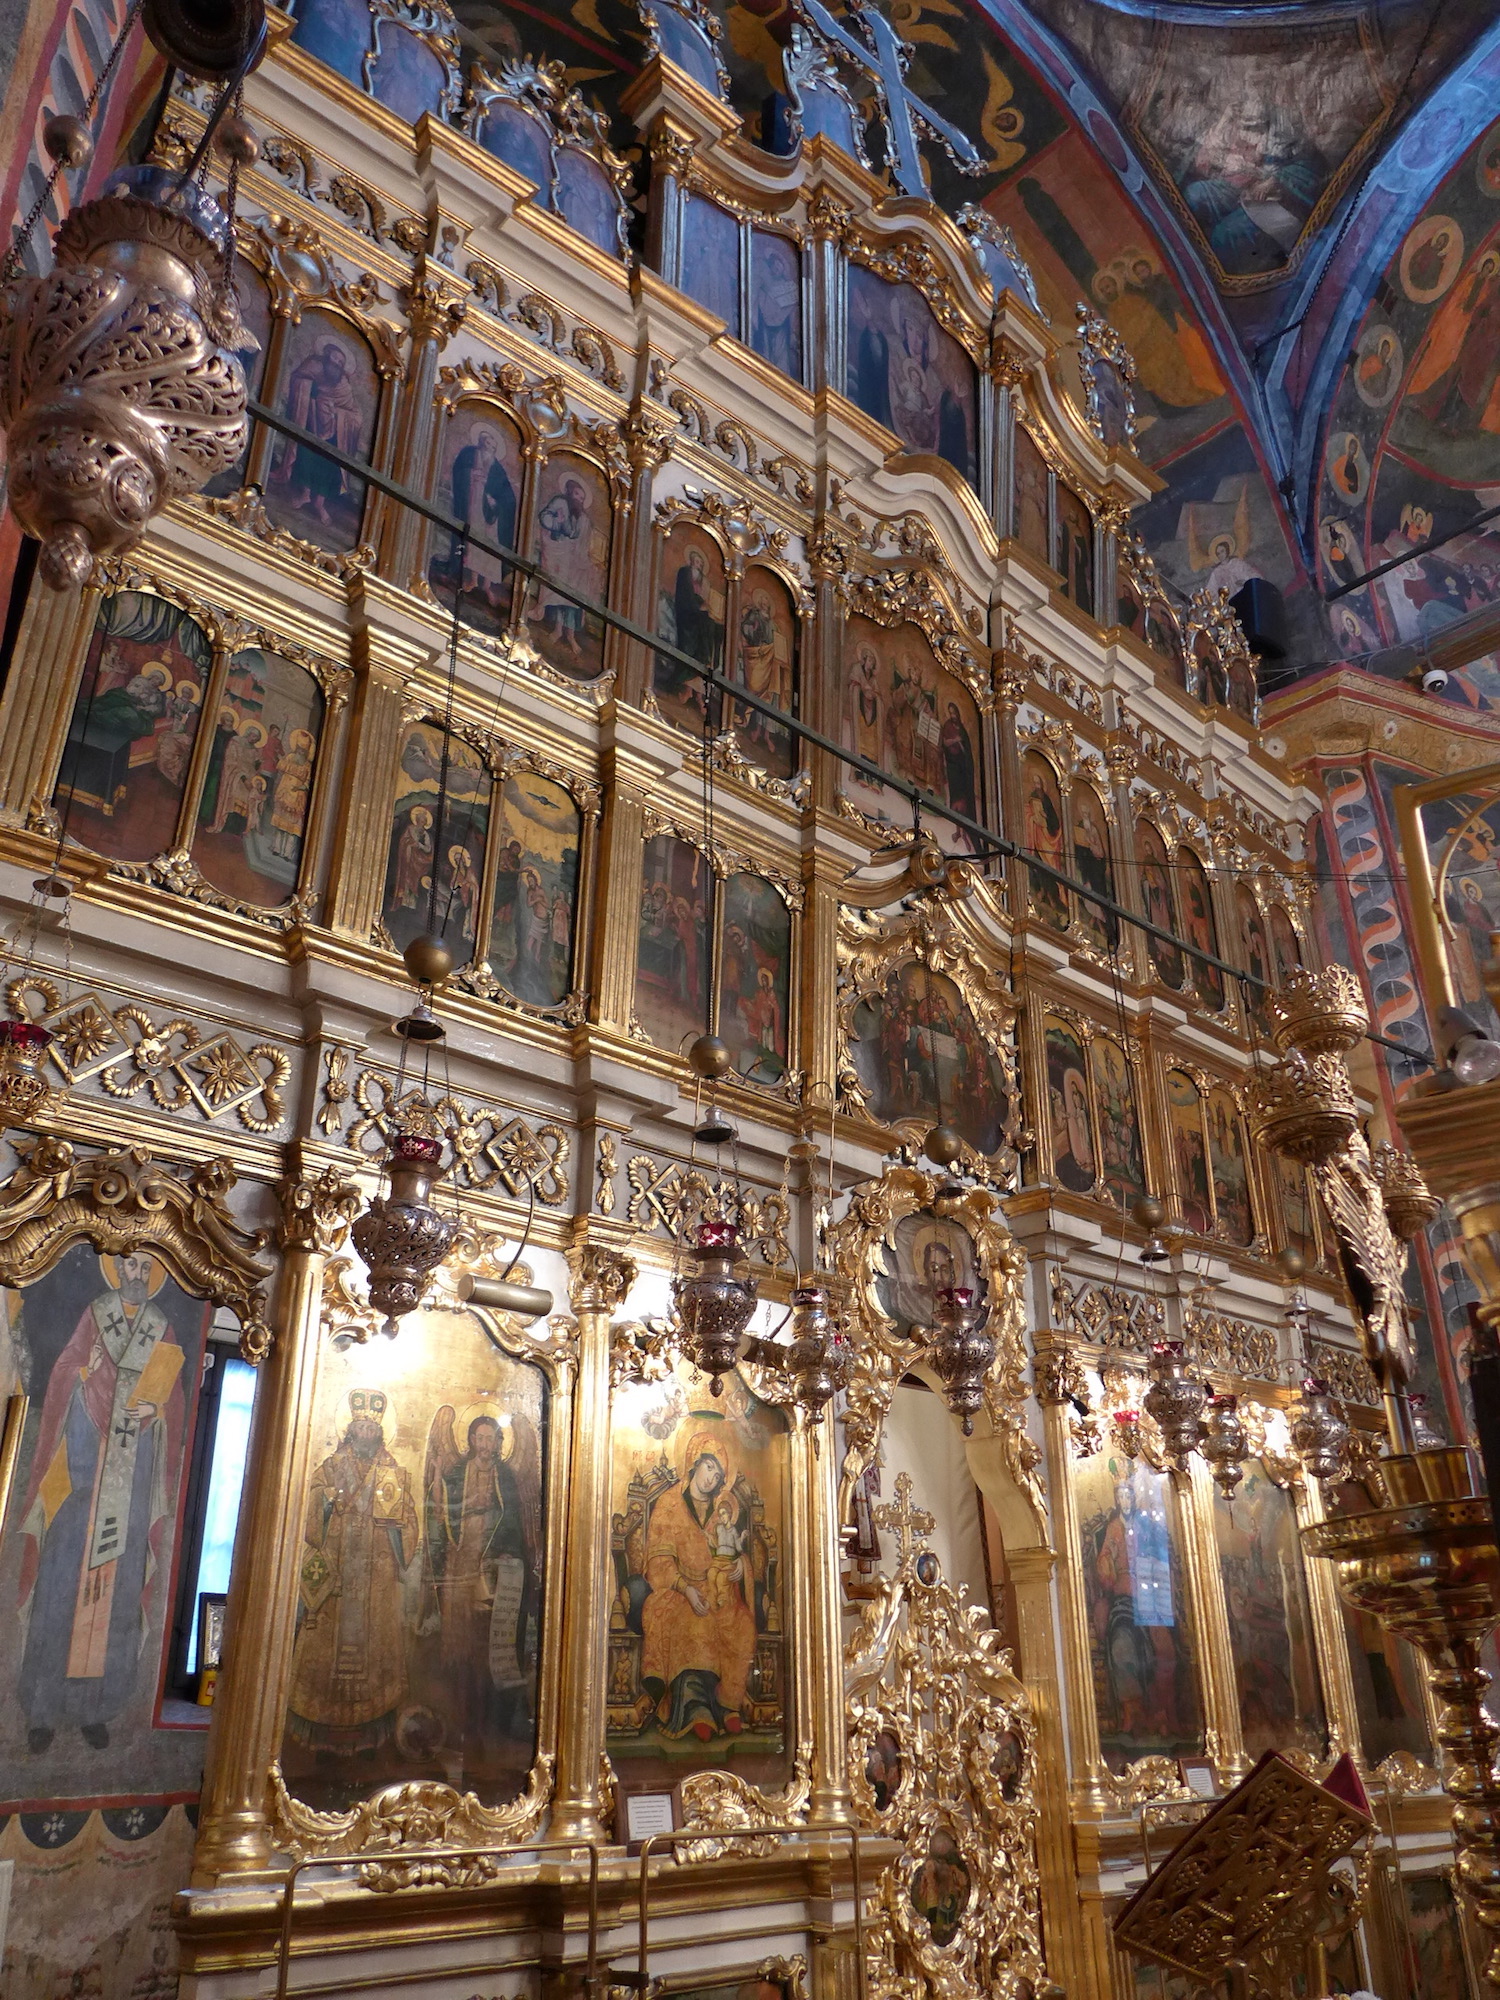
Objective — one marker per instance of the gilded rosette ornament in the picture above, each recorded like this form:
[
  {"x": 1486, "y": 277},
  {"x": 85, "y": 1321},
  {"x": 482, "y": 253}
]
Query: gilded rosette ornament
[
  {"x": 1304, "y": 1107},
  {"x": 1318, "y": 1013},
  {"x": 121, "y": 386}
]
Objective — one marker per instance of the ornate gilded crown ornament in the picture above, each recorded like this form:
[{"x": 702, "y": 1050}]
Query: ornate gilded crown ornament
[
  {"x": 1409, "y": 1203},
  {"x": 1318, "y": 1013},
  {"x": 121, "y": 386},
  {"x": 401, "y": 1236},
  {"x": 1176, "y": 1400},
  {"x": 713, "y": 1302},
  {"x": 1304, "y": 1107}
]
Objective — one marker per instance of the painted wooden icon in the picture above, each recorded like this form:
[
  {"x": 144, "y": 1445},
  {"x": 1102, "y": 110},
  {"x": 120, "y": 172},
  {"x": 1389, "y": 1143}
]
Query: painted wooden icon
[
  {"x": 1199, "y": 927},
  {"x": 907, "y": 714},
  {"x": 907, "y": 373},
  {"x": 755, "y": 980},
  {"x": 776, "y": 301},
  {"x": 919, "y": 1053},
  {"x": 1387, "y": 1690},
  {"x": 574, "y": 518},
  {"x": 537, "y": 832},
  {"x": 1120, "y": 1160},
  {"x": 253, "y": 812},
  {"x": 255, "y": 312},
  {"x": 1075, "y": 553},
  {"x": 929, "y": 1253},
  {"x": 674, "y": 942},
  {"x": 135, "y": 722},
  {"x": 419, "y": 843},
  {"x": 1042, "y": 836},
  {"x": 1074, "y": 1159},
  {"x": 1140, "y": 1641},
  {"x": 1156, "y": 897},
  {"x": 116, "y": 1351},
  {"x": 479, "y": 482},
  {"x": 691, "y": 608},
  {"x": 1032, "y": 517},
  {"x": 1257, "y": 959},
  {"x": 701, "y": 1604},
  {"x": 1270, "y": 1618},
  {"x": 1231, "y": 1172},
  {"x": 422, "y": 1576},
  {"x": 1189, "y": 1152},
  {"x": 1286, "y": 950},
  {"x": 711, "y": 259},
  {"x": 763, "y": 659},
  {"x": 1092, "y": 866},
  {"x": 328, "y": 385}
]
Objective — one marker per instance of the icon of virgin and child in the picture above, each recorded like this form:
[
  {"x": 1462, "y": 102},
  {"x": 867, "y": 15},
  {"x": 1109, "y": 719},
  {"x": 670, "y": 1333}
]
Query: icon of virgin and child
[{"x": 708, "y": 1571}]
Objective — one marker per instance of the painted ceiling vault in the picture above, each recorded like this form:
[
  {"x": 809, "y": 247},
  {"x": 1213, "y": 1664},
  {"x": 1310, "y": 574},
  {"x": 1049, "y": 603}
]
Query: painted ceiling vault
[{"x": 1231, "y": 187}]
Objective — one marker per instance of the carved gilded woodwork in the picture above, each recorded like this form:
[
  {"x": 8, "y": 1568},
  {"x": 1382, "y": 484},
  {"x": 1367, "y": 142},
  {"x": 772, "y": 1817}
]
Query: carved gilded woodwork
[
  {"x": 124, "y": 1201},
  {"x": 943, "y": 1749},
  {"x": 871, "y": 955},
  {"x": 862, "y": 1250}
]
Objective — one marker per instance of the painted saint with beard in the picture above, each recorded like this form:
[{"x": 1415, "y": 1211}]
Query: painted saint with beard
[
  {"x": 349, "y": 1673},
  {"x": 96, "y": 1520}
]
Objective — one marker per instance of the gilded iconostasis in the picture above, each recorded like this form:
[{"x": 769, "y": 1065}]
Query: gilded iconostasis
[{"x": 694, "y": 572}]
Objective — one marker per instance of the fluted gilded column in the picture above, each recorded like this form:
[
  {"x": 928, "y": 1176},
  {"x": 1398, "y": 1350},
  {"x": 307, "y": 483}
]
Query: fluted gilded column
[
  {"x": 824, "y": 1648},
  {"x": 317, "y": 1206},
  {"x": 600, "y": 1278}
]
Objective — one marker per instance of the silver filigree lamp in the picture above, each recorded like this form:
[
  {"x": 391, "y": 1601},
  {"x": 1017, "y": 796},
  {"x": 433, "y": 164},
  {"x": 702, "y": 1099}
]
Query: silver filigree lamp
[{"x": 121, "y": 386}]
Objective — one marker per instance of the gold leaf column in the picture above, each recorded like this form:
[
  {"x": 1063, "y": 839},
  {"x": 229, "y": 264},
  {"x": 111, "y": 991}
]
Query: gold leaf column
[
  {"x": 601, "y": 1277},
  {"x": 318, "y": 1203},
  {"x": 369, "y": 789},
  {"x": 39, "y": 693}
]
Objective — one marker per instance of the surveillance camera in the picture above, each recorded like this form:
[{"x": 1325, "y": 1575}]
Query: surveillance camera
[{"x": 1434, "y": 680}]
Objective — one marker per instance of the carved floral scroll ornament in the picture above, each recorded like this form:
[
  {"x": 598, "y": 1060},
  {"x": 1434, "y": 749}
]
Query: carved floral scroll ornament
[
  {"x": 125, "y": 1201},
  {"x": 935, "y": 1709}
]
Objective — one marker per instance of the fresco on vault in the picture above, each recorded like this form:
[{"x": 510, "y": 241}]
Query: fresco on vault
[{"x": 1410, "y": 452}]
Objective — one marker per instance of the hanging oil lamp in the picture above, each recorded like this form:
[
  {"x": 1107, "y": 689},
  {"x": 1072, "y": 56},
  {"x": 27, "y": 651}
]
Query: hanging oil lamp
[
  {"x": 1224, "y": 1443},
  {"x": 401, "y": 1236},
  {"x": 1319, "y": 1434},
  {"x": 817, "y": 1355},
  {"x": 713, "y": 1303},
  {"x": 121, "y": 385},
  {"x": 1175, "y": 1399},
  {"x": 1127, "y": 1429},
  {"x": 962, "y": 1349},
  {"x": 1151, "y": 1214}
]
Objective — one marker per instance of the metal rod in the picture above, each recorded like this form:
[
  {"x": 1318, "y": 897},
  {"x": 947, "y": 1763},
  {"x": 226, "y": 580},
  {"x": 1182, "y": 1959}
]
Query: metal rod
[
  {"x": 995, "y": 846},
  {"x": 520, "y": 1854},
  {"x": 1421, "y": 549},
  {"x": 654, "y": 1841}
]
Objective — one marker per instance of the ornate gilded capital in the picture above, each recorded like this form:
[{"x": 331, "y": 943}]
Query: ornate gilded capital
[
  {"x": 830, "y": 548},
  {"x": 647, "y": 439},
  {"x": 432, "y": 312},
  {"x": 670, "y": 150},
  {"x": 316, "y": 1210},
  {"x": 1123, "y": 760},
  {"x": 600, "y": 1276}
]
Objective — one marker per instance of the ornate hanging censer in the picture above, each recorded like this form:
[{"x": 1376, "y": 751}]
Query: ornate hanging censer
[
  {"x": 1176, "y": 1399},
  {"x": 121, "y": 387}
]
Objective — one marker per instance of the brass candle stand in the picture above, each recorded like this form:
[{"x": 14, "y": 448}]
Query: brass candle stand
[{"x": 1423, "y": 1559}]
